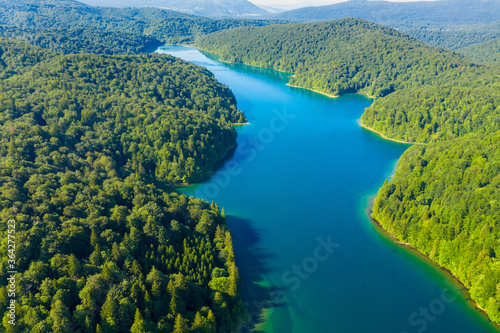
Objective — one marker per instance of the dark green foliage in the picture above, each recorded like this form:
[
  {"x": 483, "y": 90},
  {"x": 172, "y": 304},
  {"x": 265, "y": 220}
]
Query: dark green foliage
[
  {"x": 452, "y": 24},
  {"x": 444, "y": 200},
  {"x": 152, "y": 115},
  {"x": 461, "y": 102},
  {"x": 87, "y": 144},
  {"x": 337, "y": 57}
]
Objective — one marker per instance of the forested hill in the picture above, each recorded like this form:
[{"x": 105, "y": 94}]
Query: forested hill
[
  {"x": 443, "y": 199},
  {"x": 72, "y": 27},
  {"x": 85, "y": 141},
  {"x": 485, "y": 52},
  {"x": 402, "y": 14},
  {"x": 209, "y": 8},
  {"x": 160, "y": 115},
  {"x": 352, "y": 55},
  {"x": 451, "y": 24},
  {"x": 456, "y": 37}
]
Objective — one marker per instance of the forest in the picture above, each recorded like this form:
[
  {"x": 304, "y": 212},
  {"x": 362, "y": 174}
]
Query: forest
[
  {"x": 90, "y": 146},
  {"x": 42, "y": 22},
  {"x": 485, "y": 52},
  {"x": 451, "y": 24},
  {"x": 456, "y": 37},
  {"x": 401, "y": 14},
  {"x": 81, "y": 40},
  {"x": 442, "y": 199},
  {"x": 94, "y": 139}
]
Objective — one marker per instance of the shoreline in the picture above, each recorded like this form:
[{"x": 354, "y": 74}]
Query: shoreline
[
  {"x": 316, "y": 91},
  {"x": 387, "y": 138},
  {"x": 238, "y": 63},
  {"x": 449, "y": 274},
  {"x": 200, "y": 181},
  {"x": 292, "y": 74},
  {"x": 462, "y": 291}
]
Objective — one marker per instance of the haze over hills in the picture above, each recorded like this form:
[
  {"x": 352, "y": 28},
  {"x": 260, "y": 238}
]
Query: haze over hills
[
  {"x": 452, "y": 24},
  {"x": 211, "y": 8},
  {"x": 487, "y": 52},
  {"x": 52, "y": 24},
  {"x": 398, "y": 14}
]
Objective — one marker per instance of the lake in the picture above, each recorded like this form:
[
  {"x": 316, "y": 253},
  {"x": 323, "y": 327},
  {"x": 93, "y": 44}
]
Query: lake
[{"x": 295, "y": 192}]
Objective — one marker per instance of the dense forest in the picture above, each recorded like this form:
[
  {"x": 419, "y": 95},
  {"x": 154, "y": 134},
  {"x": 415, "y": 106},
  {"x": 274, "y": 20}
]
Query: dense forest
[
  {"x": 442, "y": 199},
  {"x": 466, "y": 101},
  {"x": 336, "y": 57},
  {"x": 451, "y": 24},
  {"x": 456, "y": 37},
  {"x": 88, "y": 145},
  {"x": 485, "y": 52},
  {"x": 44, "y": 22},
  {"x": 402, "y": 14},
  {"x": 209, "y": 8},
  {"x": 81, "y": 40}
]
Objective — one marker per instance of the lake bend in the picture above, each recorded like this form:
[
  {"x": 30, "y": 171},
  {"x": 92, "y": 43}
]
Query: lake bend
[{"x": 295, "y": 193}]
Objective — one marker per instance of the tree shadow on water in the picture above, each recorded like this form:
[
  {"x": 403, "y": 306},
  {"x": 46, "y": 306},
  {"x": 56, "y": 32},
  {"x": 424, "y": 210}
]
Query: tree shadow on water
[{"x": 260, "y": 298}]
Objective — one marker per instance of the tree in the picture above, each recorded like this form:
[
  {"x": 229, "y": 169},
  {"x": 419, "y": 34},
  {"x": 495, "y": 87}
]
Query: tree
[
  {"x": 109, "y": 315},
  {"x": 74, "y": 266},
  {"x": 140, "y": 325},
  {"x": 180, "y": 325},
  {"x": 59, "y": 316}
]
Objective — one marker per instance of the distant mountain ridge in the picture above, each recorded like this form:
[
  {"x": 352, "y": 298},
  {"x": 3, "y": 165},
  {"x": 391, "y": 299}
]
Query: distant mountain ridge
[
  {"x": 62, "y": 24},
  {"x": 399, "y": 14},
  {"x": 211, "y": 8}
]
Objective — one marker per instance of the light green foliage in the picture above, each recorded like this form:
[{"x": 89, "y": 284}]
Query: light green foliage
[{"x": 444, "y": 201}]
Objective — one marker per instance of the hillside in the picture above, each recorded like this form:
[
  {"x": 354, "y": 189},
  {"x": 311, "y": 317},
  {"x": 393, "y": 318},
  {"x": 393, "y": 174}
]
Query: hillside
[
  {"x": 486, "y": 52},
  {"x": 456, "y": 37},
  {"x": 451, "y": 24},
  {"x": 83, "y": 40},
  {"x": 352, "y": 55},
  {"x": 114, "y": 30},
  {"x": 401, "y": 14},
  {"x": 88, "y": 143},
  {"x": 442, "y": 198},
  {"x": 210, "y": 8}
]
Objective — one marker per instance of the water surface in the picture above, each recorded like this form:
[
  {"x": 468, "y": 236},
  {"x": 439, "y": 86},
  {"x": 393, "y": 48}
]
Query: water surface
[{"x": 295, "y": 193}]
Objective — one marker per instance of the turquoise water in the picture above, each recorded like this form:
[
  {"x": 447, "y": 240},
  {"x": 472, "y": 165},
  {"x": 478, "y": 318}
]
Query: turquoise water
[{"x": 295, "y": 192}]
